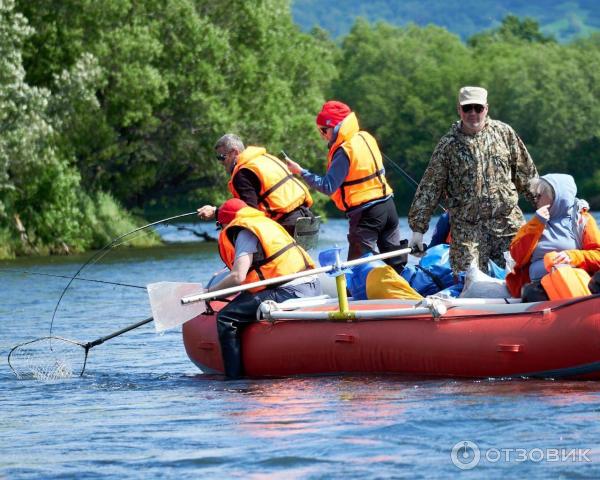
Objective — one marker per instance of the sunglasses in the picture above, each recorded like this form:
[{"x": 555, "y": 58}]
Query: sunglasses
[
  {"x": 323, "y": 130},
  {"x": 472, "y": 106},
  {"x": 221, "y": 157}
]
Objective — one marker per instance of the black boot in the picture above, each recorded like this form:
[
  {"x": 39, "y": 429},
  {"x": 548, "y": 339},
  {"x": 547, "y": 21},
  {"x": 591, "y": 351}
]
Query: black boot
[
  {"x": 230, "y": 347},
  {"x": 231, "y": 320}
]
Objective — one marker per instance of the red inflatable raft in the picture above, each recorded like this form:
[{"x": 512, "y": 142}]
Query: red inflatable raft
[{"x": 559, "y": 339}]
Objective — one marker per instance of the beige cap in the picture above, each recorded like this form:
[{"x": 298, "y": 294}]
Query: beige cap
[{"x": 472, "y": 95}]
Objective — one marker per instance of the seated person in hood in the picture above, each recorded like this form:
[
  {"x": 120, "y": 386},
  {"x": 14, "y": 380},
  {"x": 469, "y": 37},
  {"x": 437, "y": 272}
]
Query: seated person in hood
[{"x": 562, "y": 226}]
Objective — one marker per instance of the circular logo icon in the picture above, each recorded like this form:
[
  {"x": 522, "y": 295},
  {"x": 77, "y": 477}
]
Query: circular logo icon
[{"x": 465, "y": 455}]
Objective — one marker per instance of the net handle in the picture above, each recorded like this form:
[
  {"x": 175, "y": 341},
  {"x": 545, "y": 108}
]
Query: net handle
[{"x": 101, "y": 340}]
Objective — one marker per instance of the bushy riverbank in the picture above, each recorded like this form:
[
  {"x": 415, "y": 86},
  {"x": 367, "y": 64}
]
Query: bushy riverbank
[{"x": 97, "y": 220}]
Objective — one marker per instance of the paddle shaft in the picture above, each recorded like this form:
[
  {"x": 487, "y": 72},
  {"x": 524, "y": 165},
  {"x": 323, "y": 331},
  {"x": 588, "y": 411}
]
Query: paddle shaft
[{"x": 286, "y": 278}]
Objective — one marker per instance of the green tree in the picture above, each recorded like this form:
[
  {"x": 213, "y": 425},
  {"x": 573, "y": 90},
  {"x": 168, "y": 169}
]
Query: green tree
[
  {"x": 39, "y": 199},
  {"x": 160, "y": 84},
  {"x": 512, "y": 29},
  {"x": 42, "y": 206},
  {"x": 277, "y": 75}
]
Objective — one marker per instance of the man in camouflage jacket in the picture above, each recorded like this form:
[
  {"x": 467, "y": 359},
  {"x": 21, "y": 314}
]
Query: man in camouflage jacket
[{"x": 479, "y": 168}]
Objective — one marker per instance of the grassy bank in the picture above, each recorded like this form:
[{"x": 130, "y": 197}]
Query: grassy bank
[{"x": 99, "y": 220}]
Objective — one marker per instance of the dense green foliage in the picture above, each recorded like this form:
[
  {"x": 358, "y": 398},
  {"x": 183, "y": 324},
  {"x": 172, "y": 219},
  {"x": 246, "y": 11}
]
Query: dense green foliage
[
  {"x": 42, "y": 206},
  {"x": 563, "y": 19},
  {"x": 130, "y": 97},
  {"x": 119, "y": 102}
]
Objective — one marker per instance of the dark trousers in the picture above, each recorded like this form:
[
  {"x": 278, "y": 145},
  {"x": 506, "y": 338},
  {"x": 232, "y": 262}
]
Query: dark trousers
[
  {"x": 534, "y": 292},
  {"x": 241, "y": 311},
  {"x": 376, "y": 229}
]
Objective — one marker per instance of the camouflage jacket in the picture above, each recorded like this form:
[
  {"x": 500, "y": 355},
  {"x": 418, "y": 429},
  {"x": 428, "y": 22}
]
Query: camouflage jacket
[{"x": 478, "y": 177}]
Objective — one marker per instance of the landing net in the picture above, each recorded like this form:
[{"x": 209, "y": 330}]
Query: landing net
[{"x": 48, "y": 358}]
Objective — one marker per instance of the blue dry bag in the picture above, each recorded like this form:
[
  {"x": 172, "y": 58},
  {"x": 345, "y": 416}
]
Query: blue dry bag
[{"x": 433, "y": 273}]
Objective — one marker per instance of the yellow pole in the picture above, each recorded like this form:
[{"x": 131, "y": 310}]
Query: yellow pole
[{"x": 340, "y": 283}]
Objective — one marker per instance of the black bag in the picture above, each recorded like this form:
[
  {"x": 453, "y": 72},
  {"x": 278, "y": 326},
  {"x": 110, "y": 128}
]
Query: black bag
[
  {"x": 594, "y": 284},
  {"x": 534, "y": 292}
]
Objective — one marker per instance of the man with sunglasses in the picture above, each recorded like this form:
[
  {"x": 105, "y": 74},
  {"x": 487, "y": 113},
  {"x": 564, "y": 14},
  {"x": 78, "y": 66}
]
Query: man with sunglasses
[
  {"x": 355, "y": 181},
  {"x": 262, "y": 181},
  {"x": 480, "y": 167}
]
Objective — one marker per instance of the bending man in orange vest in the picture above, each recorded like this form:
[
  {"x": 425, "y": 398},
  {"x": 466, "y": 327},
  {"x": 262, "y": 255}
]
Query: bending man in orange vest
[
  {"x": 255, "y": 248},
  {"x": 262, "y": 181},
  {"x": 355, "y": 180}
]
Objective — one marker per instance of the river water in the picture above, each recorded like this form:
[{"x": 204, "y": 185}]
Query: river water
[{"x": 143, "y": 410}]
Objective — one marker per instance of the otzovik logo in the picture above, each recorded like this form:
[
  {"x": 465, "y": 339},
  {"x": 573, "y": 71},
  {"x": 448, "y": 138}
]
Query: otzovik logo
[{"x": 465, "y": 455}]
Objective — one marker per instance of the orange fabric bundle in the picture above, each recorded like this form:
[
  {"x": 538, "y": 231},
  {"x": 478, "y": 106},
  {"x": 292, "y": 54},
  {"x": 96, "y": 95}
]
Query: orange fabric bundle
[{"x": 566, "y": 282}]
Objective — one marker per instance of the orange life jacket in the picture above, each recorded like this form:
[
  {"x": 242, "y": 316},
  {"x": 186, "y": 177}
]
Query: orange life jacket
[
  {"x": 366, "y": 178},
  {"x": 280, "y": 191},
  {"x": 566, "y": 282},
  {"x": 282, "y": 256}
]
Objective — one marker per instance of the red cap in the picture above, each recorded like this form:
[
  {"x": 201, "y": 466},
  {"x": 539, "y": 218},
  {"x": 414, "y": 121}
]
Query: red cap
[
  {"x": 226, "y": 212},
  {"x": 332, "y": 113}
]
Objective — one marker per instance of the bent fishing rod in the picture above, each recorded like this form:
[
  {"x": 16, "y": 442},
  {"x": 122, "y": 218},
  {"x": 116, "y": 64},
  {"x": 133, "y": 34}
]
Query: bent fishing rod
[{"x": 104, "y": 250}]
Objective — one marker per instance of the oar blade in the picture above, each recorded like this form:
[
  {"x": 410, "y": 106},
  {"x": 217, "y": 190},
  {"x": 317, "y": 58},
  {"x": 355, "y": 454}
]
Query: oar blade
[{"x": 165, "y": 301}]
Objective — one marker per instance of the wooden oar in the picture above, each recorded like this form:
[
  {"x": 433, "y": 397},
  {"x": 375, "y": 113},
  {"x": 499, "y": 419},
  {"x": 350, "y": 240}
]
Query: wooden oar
[{"x": 174, "y": 303}]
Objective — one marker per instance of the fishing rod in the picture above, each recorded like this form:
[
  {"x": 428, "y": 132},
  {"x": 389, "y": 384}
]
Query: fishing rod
[
  {"x": 51, "y": 357},
  {"x": 401, "y": 170},
  {"x": 70, "y": 277},
  {"x": 104, "y": 250},
  {"x": 408, "y": 177}
]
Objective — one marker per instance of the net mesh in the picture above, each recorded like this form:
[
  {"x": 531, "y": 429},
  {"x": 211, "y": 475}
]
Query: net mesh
[{"x": 47, "y": 358}]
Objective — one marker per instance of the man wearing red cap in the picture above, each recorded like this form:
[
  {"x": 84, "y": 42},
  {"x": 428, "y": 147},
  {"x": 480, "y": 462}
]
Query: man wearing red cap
[
  {"x": 255, "y": 248},
  {"x": 355, "y": 181},
  {"x": 263, "y": 181}
]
